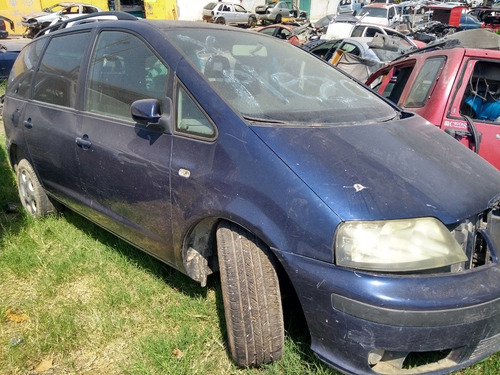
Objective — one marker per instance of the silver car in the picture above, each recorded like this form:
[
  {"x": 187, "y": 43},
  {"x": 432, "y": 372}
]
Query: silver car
[
  {"x": 228, "y": 13},
  {"x": 275, "y": 12}
]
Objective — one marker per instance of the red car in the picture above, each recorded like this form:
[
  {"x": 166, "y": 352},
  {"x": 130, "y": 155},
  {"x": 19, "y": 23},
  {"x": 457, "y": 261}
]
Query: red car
[{"x": 457, "y": 89}]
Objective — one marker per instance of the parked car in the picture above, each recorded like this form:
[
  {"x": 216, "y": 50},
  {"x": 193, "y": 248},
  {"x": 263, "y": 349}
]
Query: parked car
[
  {"x": 36, "y": 21},
  {"x": 491, "y": 20},
  {"x": 9, "y": 49},
  {"x": 359, "y": 57},
  {"x": 349, "y": 7},
  {"x": 468, "y": 22},
  {"x": 3, "y": 29},
  {"x": 218, "y": 149},
  {"x": 294, "y": 34},
  {"x": 277, "y": 11},
  {"x": 325, "y": 49},
  {"x": 480, "y": 12},
  {"x": 361, "y": 29},
  {"x": 380, "y": 13},
  {"x": 228, "y": 13},
  {"x": 456, "y": 89}
]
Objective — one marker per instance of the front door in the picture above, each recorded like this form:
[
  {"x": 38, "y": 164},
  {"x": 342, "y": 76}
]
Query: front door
[
  {"x": 477, "y": 101},
  {"x": 124, "y": 166}
]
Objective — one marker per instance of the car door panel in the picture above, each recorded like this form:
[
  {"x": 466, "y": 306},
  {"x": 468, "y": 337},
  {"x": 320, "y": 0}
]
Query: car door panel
[{"x": 124, "y": 167}]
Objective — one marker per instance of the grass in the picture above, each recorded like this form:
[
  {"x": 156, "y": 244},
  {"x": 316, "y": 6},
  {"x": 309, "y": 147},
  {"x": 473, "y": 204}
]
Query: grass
[
  {"x": 77, "y": 300},
  {"x": 74, "y": 299}
]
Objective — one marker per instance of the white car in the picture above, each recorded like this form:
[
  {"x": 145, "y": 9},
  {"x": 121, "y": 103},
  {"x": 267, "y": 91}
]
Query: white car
[
  {"x": 228, "y": 13},
  {"x": 380, "y": 14},
  {"x": 337, "y": 30},
  {"x": 61, "y": 10},
  {"x": 36, "y": 21}
]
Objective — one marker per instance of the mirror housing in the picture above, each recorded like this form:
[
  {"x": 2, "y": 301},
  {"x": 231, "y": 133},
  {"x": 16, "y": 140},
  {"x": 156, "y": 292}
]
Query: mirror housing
[{"x": 149, "y": 112}]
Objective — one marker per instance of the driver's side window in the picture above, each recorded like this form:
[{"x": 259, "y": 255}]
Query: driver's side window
[{"x": 481, "y": 100}]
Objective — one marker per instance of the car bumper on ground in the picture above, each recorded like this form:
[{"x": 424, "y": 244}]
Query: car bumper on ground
[{"x": 363, "y": 323}]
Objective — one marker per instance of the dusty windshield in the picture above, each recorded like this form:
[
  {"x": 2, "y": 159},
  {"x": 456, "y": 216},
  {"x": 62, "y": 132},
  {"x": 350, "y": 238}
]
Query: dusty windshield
[{"x": 266, "y": 79}]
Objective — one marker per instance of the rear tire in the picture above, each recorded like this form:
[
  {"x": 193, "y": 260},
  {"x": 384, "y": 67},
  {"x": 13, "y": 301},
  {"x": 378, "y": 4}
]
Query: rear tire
[
  {"x": 31, "y": 193},
  {"x": 251, "y": 295},
  {"x": 278, "y": 18},
  {"x": 220, "y": 21}
]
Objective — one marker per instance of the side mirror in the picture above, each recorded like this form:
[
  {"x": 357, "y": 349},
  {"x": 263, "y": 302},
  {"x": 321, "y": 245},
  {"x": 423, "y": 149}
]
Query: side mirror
[
  {"x": 150, "y": 113},
  {"x": 146, "y": 111}
]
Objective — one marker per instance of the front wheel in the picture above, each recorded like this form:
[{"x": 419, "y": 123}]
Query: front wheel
[
  {"x": 251, "y": 295},
  {"x": 33, "y": 197},
  {"x": 278, "y": 18}
]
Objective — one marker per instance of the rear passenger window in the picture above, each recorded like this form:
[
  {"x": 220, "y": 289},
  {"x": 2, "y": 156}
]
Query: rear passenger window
[
  {"x": 56, "y": 79},
  {"x": 23, "y": 69},
  {"x": 123, "y": 69},
  {"x": 426, "y": 78}
]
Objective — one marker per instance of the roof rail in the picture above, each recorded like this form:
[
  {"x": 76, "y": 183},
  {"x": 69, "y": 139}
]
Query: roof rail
[{"x": 87, "y": 18}]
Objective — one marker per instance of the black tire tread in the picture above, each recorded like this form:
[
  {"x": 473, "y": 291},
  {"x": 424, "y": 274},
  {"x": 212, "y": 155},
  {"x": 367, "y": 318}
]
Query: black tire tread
[{"x": 252, "y": 299}]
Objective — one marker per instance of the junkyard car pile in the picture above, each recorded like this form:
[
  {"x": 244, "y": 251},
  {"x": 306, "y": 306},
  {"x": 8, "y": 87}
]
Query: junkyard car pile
[{"x": 222, "y": 150}]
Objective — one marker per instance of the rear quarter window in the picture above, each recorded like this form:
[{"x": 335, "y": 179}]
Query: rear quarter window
[{"x": 19, "y": 83}]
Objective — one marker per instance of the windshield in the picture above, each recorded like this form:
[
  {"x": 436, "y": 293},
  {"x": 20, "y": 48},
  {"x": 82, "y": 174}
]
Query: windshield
[
  {"x": 373, "y": 12},
  {"x": 271, "y": 81}
]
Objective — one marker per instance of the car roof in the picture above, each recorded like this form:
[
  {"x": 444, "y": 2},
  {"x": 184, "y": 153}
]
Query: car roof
[{"x": 380, "y": 5}]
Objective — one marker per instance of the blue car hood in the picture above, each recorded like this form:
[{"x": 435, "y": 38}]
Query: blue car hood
[{"x": 397, "y": 169}]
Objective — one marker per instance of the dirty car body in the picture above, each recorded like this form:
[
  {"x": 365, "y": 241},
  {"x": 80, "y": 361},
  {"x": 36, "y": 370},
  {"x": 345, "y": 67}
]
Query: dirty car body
[{"x": 390, "y": 251}]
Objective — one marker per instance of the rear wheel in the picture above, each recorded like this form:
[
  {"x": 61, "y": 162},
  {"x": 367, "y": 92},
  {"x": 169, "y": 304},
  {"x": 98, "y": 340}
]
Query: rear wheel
[
  {"x": 220, "y": 21},
  {"x": 278, "y": 18},
  {"x": 251, "y": 295},
  {"x": 33, "y": 197}
]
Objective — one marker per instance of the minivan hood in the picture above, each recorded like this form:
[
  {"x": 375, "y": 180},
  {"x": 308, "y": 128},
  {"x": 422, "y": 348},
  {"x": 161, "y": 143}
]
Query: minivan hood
[{"x": 397, "y": 169}]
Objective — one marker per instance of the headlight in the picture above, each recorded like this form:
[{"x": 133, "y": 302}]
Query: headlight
[{"x": 396, "y": 245}]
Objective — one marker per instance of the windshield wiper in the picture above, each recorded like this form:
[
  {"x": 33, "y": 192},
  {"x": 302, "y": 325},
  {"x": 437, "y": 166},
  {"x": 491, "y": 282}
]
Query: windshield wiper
[{"x": 263, "y": 120}]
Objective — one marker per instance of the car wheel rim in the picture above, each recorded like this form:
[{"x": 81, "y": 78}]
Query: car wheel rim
[{"x": 27, "y": 192}]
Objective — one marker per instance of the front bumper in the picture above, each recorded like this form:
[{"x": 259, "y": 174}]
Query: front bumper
[{"x": 364, "y": 323}]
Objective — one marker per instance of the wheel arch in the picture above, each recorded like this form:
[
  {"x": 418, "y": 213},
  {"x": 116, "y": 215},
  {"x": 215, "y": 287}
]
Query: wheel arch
[
  {"x": 199, "y": 247},
  {"x": 200, "y": 259}
]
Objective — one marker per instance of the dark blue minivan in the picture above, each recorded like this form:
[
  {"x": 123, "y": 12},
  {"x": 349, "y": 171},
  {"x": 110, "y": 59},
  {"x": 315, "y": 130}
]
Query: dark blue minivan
[{"x": 219, "y": 150}]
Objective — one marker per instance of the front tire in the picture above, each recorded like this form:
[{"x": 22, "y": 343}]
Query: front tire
[
  {"x": 251, "y": 295},
  {"x": 278, "y": 18},
  {"x": 33, "y": 197}
]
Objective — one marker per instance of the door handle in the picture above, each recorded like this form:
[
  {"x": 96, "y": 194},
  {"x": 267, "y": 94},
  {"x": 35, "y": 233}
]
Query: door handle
[
  {"x": 27, "y": 123},
  {"x": 83, "y": 142}
]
